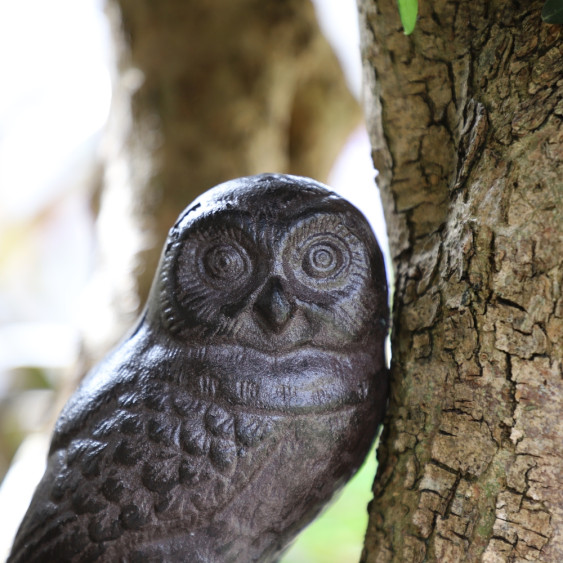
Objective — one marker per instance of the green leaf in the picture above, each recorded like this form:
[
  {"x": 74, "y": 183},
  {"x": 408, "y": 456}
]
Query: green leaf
[
  {"x": 408, "y": 10},
  {"x": 552, "y": 11}
]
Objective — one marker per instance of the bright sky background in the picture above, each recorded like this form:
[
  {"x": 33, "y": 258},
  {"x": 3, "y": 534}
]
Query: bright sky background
[
  {"x": 54, "y": 97},
  {"x": 54, "y": 100}
]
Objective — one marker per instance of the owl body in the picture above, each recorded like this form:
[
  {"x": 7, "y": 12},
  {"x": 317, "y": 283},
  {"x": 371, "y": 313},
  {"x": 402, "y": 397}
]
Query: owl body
[{"x": 248, "y": 393}]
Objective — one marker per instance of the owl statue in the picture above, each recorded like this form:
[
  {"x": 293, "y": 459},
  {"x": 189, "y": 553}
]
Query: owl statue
[{"x": 249, "y": 391}]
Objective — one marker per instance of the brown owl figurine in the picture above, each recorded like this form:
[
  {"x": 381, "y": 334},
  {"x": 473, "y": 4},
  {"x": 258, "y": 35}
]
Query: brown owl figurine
[{"x": 248, "y": 393}]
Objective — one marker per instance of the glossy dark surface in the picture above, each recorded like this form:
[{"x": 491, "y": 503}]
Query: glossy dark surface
[{"x": 249, "y": 392}]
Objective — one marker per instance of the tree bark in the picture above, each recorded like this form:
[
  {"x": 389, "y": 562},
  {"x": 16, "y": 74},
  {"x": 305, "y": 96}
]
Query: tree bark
[
  {"x": 204, "y": 92},
  {"x": 465, "y": 117}
]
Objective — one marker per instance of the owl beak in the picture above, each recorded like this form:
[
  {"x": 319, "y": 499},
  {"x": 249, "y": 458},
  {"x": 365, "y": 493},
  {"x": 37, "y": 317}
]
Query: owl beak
[{"x": 273, "y": 307}]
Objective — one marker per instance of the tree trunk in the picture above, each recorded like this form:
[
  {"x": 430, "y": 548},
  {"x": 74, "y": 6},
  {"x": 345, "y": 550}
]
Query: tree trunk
[
  {"x": 204, "y": 92},
  {"x": 465, "y": 117}
]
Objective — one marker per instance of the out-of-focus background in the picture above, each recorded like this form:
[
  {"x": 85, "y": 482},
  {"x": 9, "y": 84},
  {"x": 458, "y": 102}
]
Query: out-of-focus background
[{"x": 56, "y": 73}]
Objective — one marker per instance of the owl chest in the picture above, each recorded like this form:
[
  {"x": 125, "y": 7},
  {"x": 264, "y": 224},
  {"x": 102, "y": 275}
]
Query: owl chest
[
  {"x": 202, "y": 447},
  {"x": 169, "y": 444}
]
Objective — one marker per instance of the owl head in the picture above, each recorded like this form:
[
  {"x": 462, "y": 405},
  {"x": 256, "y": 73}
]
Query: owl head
[{"x": 271, "y": 262}]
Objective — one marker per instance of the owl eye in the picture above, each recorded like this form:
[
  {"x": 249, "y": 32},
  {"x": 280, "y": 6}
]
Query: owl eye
[
  {"x": 226, "y": 264},
  {"x": 216, "y": 271},
  {"x": 321, "y": 263},
  {"x": 325, "y": 258}
]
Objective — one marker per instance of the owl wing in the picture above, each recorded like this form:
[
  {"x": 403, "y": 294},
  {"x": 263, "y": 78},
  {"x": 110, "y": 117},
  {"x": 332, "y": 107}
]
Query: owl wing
[{"x": 135, "y": 457}]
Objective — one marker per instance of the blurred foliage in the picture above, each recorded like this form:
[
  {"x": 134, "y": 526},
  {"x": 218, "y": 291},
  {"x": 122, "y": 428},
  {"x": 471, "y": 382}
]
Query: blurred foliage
[
  {"x": 26, "y": 402},
  {"x": 26, "y": 378},
  {"x": 552, "y": 11}
]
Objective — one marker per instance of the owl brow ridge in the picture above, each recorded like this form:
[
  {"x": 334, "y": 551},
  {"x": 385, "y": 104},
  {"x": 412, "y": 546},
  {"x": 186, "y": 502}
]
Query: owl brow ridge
[
  {"x": 325, "y": 225},
  {"x": 172, "y": 321},
  {"x": 324, "y": 221},
  {"x": 221, "y": 222}
]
